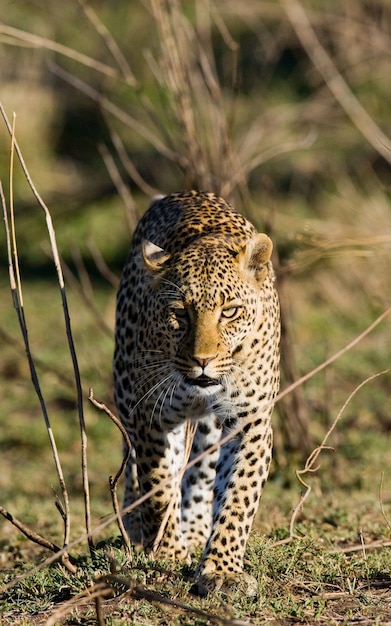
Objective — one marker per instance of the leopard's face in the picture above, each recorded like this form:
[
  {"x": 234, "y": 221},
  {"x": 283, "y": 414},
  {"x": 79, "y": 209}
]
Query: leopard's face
[{"x": 206, "y": 304}]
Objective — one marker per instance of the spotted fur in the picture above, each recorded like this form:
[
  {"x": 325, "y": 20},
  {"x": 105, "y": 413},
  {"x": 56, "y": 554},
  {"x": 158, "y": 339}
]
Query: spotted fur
[{"x": 197, "y": 341}]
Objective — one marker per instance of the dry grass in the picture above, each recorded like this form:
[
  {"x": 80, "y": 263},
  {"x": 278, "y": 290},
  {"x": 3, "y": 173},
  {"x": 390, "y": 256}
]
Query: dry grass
[{"x": 188, "y": 104}]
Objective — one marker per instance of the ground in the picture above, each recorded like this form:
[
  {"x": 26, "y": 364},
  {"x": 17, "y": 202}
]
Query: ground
[
  {"x": 329, "y": 573},
  {"x": 319, "y": 188}
]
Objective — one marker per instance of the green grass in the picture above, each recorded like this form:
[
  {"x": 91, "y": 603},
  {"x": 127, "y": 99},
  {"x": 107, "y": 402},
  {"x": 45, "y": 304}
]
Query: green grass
[
  {"x": 328, "y": 209},
  {"x": 304, "y": 580}
]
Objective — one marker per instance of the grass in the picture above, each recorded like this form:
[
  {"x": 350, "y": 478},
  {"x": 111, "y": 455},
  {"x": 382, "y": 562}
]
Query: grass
[
  {"x": 304, "y": 581},
  {"x": 310, "y": 579},
  {"x": 324, "y": 197}
]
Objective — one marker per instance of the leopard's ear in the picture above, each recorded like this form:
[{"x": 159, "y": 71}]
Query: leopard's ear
[
  {"x": 154, "y": 256},
  {"x": 255, "y": 254}
]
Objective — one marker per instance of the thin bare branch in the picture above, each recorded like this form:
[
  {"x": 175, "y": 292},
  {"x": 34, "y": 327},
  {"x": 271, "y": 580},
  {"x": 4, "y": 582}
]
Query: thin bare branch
[
  {"x": 334, "y": 80},
  {"x": 110, "y": 42},
  {"x": 129, "y": 166},
  {"x": 99, "y": 590},
  {"x": 18, "y": 346},
  {"x": 56, "y": 257},
  {"x": 65, "y": 558},
  {"x": 87, "y": 299},
  {"x": 122, "y": 189},
  {"x": 337, "y": 355},
  {"x": 41, "y": 42},
  {"x": 113, "y": 481},
  {"x": 121, "y": 115},
  {"x": 381, "y": 501},
  {"x": 17, "y": 297},
  {"x": 374, "y": 545},
  {"x": 313, "y": 457},
  {"x": 108, "y": 585},
  {"x": 100, "y": 620},
  {"x": 135, "y": 591},
  {"x": 101, "y": 264}
]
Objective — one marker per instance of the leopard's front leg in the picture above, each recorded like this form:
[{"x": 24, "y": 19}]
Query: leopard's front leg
[
  {"x": 242, "y": 471},
  {"x": 159, "y": 459}
]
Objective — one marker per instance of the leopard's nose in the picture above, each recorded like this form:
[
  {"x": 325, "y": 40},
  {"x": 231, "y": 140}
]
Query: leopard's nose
[{"x": 202, "y": 361}]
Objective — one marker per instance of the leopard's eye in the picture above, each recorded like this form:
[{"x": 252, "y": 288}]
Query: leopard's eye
[
  {"x": 230, "y": 312},
  {"x": 181, "y": 314}
]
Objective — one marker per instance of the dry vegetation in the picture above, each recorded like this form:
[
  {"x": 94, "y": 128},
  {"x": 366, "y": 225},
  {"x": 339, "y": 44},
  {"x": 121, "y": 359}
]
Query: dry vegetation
[{"x": 283, "y": 108}]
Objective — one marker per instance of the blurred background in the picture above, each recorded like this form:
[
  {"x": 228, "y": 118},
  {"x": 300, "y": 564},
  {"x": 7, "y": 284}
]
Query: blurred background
[{"x": 284, "y": 109}]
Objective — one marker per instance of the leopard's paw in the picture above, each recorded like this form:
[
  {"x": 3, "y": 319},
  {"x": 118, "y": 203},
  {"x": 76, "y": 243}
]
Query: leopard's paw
[{"x": 227, "y": 585}]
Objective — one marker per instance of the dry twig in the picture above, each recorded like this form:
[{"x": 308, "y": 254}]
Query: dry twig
[
  {"x": 381, "y": 501},
  {"x": 113, "y": 481},
  {"x": 110, "y": 42},
  {"x": 108, "y": 585},
  {"x": 81, "y": 288},
  {"x": 56, "y": 258},
  {"x": 131, "y": 170},
  {"x": 101, "y": 264},
  {"x": 66, "y": 559},
  {"x": 40, "y": 364},
  {"x": 16, "y": 35},
  {"x": 374, "y": 545},
  {"x": 121, "y": 115},
  {"x": 122, "y": 189},
  {"x": 310, "y": 466},
  {"x": 17, "y": 297},
  {"x": 334, "y": 80}
]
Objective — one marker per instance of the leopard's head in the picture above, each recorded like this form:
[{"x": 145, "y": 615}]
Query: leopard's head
[{"x": 207, "y": 304}]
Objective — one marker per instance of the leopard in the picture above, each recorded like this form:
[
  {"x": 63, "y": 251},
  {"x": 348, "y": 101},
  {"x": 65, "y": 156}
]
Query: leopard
[{"x": 196, "y": 374}]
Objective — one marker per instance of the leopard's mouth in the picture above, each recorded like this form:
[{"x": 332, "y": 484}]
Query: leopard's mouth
[{"x": 202, "y": 381}]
